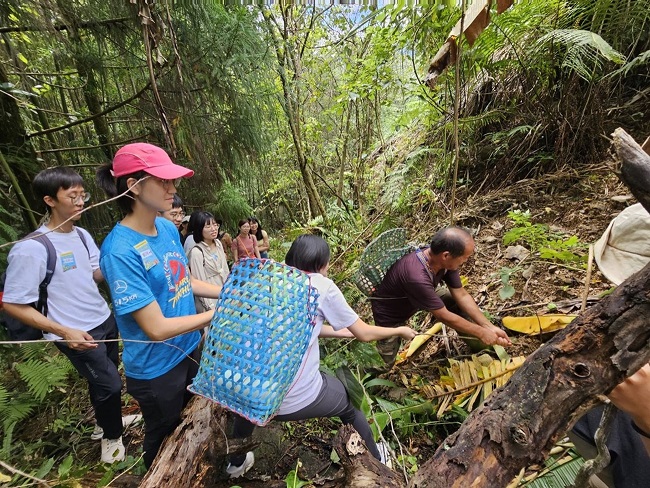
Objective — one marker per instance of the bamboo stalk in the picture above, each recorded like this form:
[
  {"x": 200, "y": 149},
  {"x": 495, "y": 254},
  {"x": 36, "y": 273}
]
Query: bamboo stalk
[{"x": 21, "y": 196}]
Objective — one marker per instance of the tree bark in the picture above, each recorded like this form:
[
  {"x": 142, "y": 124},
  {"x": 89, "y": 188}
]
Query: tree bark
[
  {"x": 520, "y": 423},
  {"x": 362, "y": 470},
  {"x": 190, "y": 456}
]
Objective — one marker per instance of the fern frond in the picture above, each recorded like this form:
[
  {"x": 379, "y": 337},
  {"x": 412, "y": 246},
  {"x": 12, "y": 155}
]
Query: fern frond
[
  {"x": 641, "y": 60},
  {"x": 41, "y": 376},
  {"x": 585, "y": 51},
  {"x": 4, "y": 397},
  {"x": 34, "y": 350},
  {"x": 61, "y": 362},
  {"x": 18, "y": 409}
]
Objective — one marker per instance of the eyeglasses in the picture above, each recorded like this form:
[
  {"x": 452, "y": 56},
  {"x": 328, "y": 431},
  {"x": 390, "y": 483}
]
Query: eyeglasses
[
  {"x": 84, "y": 197},
  {"x": 166, "y": 183},
  {"x": 175, "y": 215},
  {"x": 213, "y": 224}
]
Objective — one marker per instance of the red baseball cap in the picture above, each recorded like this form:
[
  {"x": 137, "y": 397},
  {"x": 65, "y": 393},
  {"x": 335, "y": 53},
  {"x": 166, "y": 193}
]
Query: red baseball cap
[{"x": 151, "y": 159}]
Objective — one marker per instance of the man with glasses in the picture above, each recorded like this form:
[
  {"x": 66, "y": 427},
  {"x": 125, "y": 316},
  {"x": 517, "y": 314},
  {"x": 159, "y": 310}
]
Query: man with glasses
[
  {"x": 176, "y": 213},
  {"x": 76, "y": 315}
]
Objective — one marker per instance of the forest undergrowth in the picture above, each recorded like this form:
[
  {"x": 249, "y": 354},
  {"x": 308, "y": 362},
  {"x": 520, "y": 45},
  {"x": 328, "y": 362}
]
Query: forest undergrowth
[{"x": 560, "y": 208}]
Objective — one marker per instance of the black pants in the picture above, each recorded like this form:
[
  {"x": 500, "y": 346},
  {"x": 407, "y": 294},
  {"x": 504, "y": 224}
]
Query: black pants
[
  {"x": 332, "y": 401},
  {"x": 630, "y": 464},
  {"x": 99, "y": 367},
  {"x": 162, "y": 400}
]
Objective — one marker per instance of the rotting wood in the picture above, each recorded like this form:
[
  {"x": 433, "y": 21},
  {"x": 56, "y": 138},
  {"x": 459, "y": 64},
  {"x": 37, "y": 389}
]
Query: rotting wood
[
  {"x": 190, "y": 456},
  {"x": 517, "y": 425},
  {"x": 362, "y": 470}
]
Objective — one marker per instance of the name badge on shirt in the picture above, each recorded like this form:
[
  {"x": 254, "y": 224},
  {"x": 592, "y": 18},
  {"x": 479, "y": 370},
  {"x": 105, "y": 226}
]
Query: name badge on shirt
[
  {"x": 148, "y": 257},
  {"x": 67, "y": 261}
]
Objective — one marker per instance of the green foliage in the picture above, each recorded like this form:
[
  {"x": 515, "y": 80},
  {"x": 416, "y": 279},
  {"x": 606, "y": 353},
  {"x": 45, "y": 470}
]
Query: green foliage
[
  {"x": 134, "y": 465},
  {"x": 585, "y": 51},
  {"x": 410, "y": 463},
  {"x": 293, "y": 480},
  {"x": 33, "y": 373},
  {"x": 538, "y": 237},
  {"x": 41, "y": 376},
  {"x": 231, "y": 206},
  {"x": 507, "y": 290},
  {"x": 524, "y": 231}
]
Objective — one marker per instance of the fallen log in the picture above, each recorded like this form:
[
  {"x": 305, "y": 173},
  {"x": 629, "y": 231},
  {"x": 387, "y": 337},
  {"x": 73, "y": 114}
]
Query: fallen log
[
  {"x": 362, "y": 470},
  {"x": 519, "y": 424},
  {"x": 190, "y": 456}
]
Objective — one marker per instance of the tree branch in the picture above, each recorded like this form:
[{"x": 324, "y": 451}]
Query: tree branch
[
  {"x": 90, "y": 118},
  {"x": 97, "y": 146},
  {"x": 60, "y": 27}
]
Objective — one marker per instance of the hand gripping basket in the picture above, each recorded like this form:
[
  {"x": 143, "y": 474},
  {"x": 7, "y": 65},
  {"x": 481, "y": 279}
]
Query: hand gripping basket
[
  {"x": 378, "y": 257},
  {"x": 260, "y": 331}
]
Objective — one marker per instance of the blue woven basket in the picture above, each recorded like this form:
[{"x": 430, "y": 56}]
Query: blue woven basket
[{"x": 261, "y": 328}]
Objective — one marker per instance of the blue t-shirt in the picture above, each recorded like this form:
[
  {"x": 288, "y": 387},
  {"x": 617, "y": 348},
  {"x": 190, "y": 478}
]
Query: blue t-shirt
[{"x": 140, "y": 269}]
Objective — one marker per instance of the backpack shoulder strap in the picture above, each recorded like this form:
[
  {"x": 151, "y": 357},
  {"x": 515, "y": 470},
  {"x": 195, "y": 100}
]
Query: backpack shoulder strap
[
  {"x": 83, "y": 239},
  {"x": 202, "y": 252},
  {"x": 41, "y": 306}
]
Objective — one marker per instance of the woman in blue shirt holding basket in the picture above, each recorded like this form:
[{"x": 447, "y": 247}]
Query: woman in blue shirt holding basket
[{"x": 151, "y": 288}]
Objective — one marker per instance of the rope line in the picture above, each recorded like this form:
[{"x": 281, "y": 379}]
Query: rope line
[
  {"x": 98, "y": 341},
  {"x": 85, "y": 209}
]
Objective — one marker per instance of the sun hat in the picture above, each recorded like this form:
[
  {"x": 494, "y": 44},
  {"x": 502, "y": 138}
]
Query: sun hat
[
  {"x": 151, "y": 159},
  {"x": 185, "y": 219}
]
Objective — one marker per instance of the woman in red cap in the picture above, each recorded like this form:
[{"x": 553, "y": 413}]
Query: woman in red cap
[{"x": 151, "y": 288}]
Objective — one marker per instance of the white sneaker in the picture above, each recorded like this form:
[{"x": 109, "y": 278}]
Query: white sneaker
[
  {"x": 127, "y": 421},
  {"x": 237, "y": 471},
  {"x": 113, "y": 450},
  {"x": 384, "y": 453}
]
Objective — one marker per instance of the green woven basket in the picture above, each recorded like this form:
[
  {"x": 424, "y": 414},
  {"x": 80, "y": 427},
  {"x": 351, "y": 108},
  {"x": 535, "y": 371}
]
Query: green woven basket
[{"x": 378, "y": 257}]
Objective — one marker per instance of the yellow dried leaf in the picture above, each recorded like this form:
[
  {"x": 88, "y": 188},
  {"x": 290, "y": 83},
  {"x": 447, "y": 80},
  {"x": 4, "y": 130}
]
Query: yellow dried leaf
[
  {"x": 536, "y": 324},
  {"x": 421, "y": 339}
]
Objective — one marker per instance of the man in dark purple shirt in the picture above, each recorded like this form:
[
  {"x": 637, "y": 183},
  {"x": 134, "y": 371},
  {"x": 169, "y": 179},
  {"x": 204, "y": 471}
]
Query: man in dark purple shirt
[{"x": 410, "y": 285}]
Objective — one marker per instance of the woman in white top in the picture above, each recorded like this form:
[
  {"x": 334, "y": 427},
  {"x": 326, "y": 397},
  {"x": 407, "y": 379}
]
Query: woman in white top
[
  {"x": 313, "y": 393},
  {"x": 207, "y": 259}
]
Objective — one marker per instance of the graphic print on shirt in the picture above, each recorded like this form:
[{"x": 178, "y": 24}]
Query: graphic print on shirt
[
  {"x": 67, "y": 261},
  {"x": 177, "y": 276}
]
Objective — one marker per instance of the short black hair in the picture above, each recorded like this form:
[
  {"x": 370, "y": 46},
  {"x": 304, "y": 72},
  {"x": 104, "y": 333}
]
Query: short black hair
[
  {"x": 48, "y": 182},
  {"x": 308, "y": 253},
  {"x": 200, "y": 219},
  {"x": 177, "y": 202},
  {"x": 451, "y": 239}
]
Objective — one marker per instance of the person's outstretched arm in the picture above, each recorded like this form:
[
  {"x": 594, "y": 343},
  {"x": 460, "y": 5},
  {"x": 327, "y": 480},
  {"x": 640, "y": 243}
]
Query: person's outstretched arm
[{"x": 366, "y": 333}]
